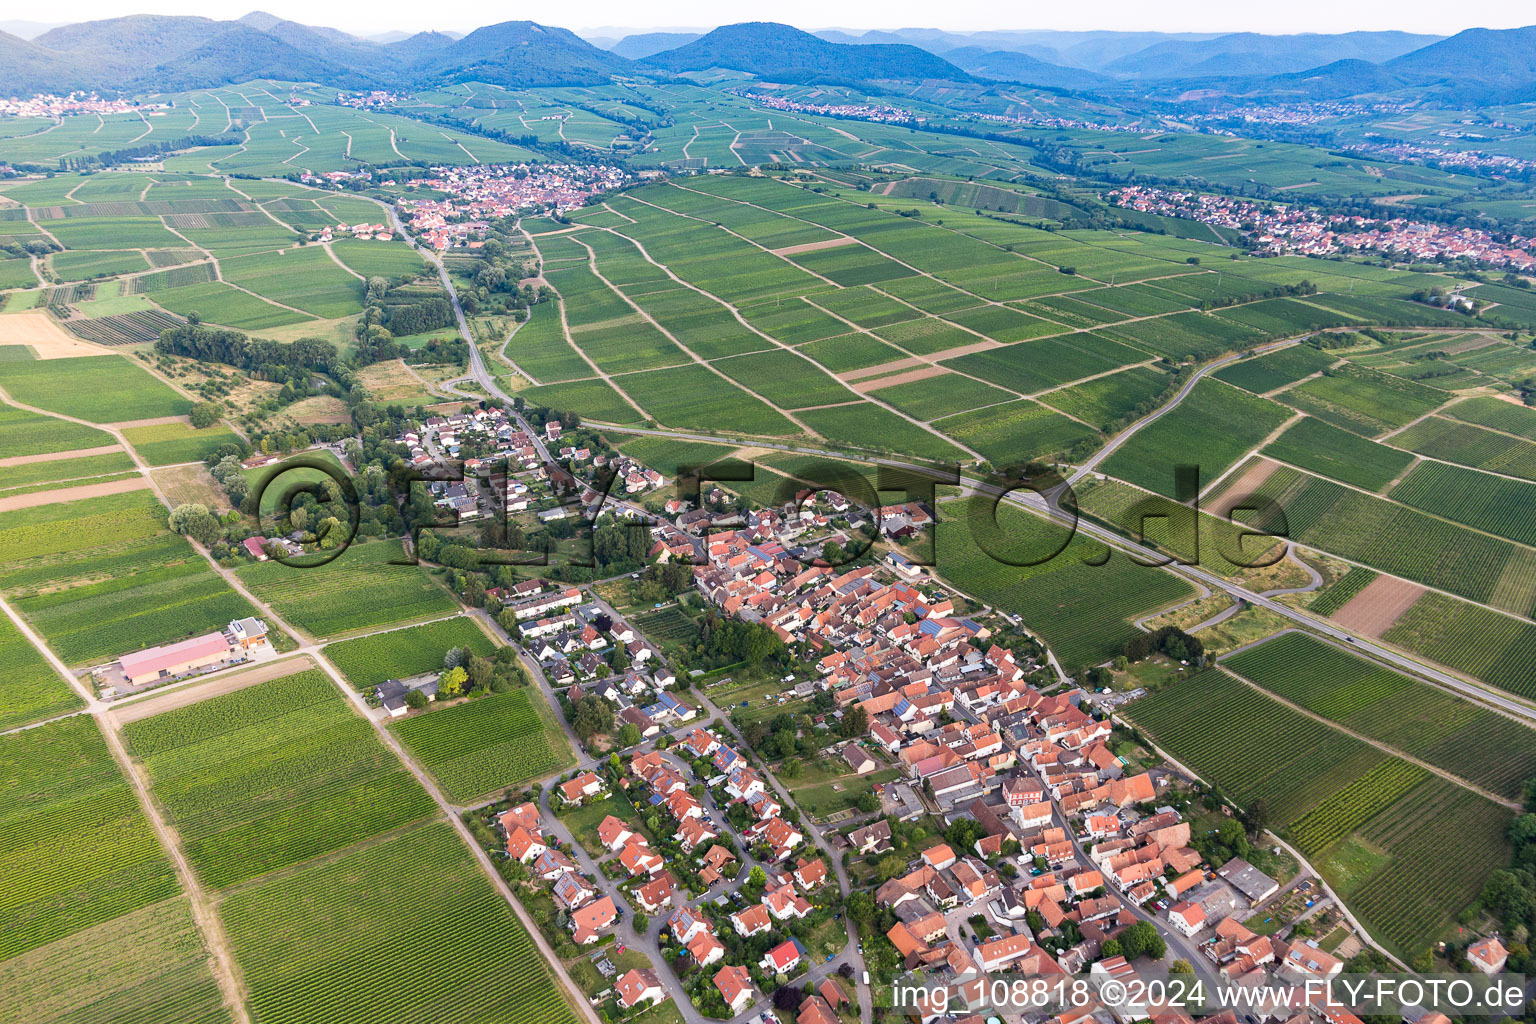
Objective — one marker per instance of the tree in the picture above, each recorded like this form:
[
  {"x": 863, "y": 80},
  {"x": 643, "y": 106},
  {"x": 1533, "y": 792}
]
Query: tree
[
  {"x": 451, "y": 683},
  {"x": 1142, "y": 939},
  {"x": 757, "y": 877},
  {"x": 590, "y": 716},
  {"x": 868, "y": 803},
  {"x": 480, "y": 671},
  {"x": 205, "y": 414},
  {"x": 415, "y": 700},
  {"x": 1181, "y": 966},
  {"x": 195, "y": 521},
  {"x": 641, "y": 922},
  {"x": 629, "y": 734}
]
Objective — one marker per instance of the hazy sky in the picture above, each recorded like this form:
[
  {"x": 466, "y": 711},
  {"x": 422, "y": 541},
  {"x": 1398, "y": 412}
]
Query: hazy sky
[{"x": 960, "y": 15}]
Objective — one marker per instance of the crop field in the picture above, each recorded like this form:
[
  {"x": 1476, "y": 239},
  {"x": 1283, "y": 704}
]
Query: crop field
[
  {"x": 1185, "y": 335},
  {"x": 1275, "y": 370},
  {"x": 1485, "y": 747},
  {"x": 668, "y": 627},
  {"x": 1364, "y": 401},
  {"x": 1494, "y": 504},
  {"x": 1039, "y": 365},
  {"x": 1211, "y": 429},
  {"x": 144, "y": 967},
  {"x": 785, "y": 378},
  {"x": 486, "y": 744},
  {"x": 166, "y": 444},
  {"x": 304, "y": 278},
  {"x": 1338, "y": 453},
  {"x": 167, "y": 599},
  {"x": 925, "y": 336},
  {"x": 22, "y": 478},
  {"x": 1468, "y": 445},
  {"x": 1339, "y": 593},
  {"x": 943, "y": 395},
  {"x": 1498, "y": 649},
  {"x": 411, "y": 920},
  {"x": 1354, "y": 805},
  {"x": 30, "y": 689},
  {"x": 1081, "y": 609},
  {"x": 1400, "y": 540},
  {"x": 1496, "y": 414},
  {"x": 28, "y": 433},
  {"x": 99, "y": 389},
  {"x": 541, "y": 349},
  {"x": 398, "y": 654},
  {"x": 79, "y": 266},
  {"x": 1410, "y": 900},
  {"x": 357, "y": 590},
  {"x": 1161, "y": 523},
  {"x": 1017, "y": 431},
  {"x": 1250, "y": 746},
  {"x": 593, "y": 399},
  {"x": 379, "y": 259},
  {"x": 74, "y": 841},
  {"x": 1384, "y": 833},
  {"x": 1107, "y": 400},
  {"x": 692, "y": 397},
  {"x": 272, "y": 775},
  {"x": 218, "y": 303},
  {"x": 866, "y": 425}
]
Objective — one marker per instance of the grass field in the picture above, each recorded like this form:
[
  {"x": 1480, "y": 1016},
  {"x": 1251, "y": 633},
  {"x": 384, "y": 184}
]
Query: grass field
[
  {"x": 487, "y": 743},
  {"x": 369, "y": 660},
  {"x": 272, "y": 775},
  {"x": 357, "y": 590}
]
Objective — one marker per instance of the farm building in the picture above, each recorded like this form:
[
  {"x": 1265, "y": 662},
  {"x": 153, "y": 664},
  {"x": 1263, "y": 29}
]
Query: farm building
[
  {"x": 391, "y": 693},
  {"x": 171, "y": 660}
]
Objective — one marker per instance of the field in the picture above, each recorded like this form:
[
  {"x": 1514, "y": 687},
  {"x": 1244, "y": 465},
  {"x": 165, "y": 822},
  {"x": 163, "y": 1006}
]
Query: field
[
  {"x": 1498, "y": 649},
  {"x": 1482, "y": 746},
  {"x": 1341, "y": 591},
  {"x": 1494, "y": 504},
  {"x": 487, "y": 743},
  {"x": 74, "y": 839},
  {"x": 1364, "y": 401},
  {"x": 30, "y": 689},
  {"x": 272, "y": 775},
  {"x": 1379, "y": 831},
  {"x": 398, "y": 654},
  {"x": 1397, "y": 539},
  {"x": 1081, "y": 609},
  {"x": 411, "y": 921},
  {"x": 1107, "y": 400},
  {"x": 357, "y": 590},
  {"x": 114, "y": 580},
  {"x": 1213, "y": 427},
  {"x": 167, "y": 444},
  {"x": 1469, "y": 445},
  {"x": 1334, "y": 452},
  {"x": 99, "y": 389},
  {"x": 1275, "y": 370},
  {"x": 28, "y": 433}
]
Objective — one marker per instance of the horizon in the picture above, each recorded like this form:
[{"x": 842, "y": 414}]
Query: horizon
[{"x": 1313, "y": 17}]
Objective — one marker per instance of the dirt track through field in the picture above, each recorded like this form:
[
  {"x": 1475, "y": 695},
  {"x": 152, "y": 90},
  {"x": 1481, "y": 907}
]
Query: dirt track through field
[
  {"x": 830, "y": 243},
  {"x": 150, "y": 706},
  {"x": 49, "y": 497},
  {"x": 78, "y": 453},
  {"x": 920, "y": 373},
  {"x": 882, "y": 368},
  {"x": 40, "y": 331},
  {"x": 1374, "y": 610},
  {"x": 1252, "y": 479},
  {"x": 153, "y": 421}
]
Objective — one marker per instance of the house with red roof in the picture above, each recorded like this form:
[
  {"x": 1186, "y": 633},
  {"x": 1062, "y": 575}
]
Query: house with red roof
[
  {"x": 523, "y": 846},
  {"x": 706, "y": 949},
  {"x": 578, "y": 789},
  {"x": 638, "y": 986},
  {"x": 751, "y": 920},
  {"x": 784, "y": 957},
  {"x": 588, "y": 920},
  {"x": 613, "y": 833},
  {"x": 735, "y": 985}
]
